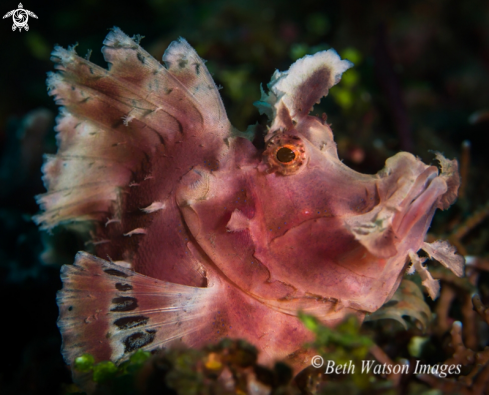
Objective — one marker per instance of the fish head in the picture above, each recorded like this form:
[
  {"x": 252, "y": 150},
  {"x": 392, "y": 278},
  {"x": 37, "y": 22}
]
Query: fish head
[{"x": 295, "y": 225}]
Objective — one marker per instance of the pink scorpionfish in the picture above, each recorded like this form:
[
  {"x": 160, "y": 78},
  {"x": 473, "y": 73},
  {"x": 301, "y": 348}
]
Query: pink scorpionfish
[{"x": 207, "y": 236}]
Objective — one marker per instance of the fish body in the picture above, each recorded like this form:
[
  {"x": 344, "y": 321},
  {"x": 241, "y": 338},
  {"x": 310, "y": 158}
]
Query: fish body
[{"x": 207, "y": 236}]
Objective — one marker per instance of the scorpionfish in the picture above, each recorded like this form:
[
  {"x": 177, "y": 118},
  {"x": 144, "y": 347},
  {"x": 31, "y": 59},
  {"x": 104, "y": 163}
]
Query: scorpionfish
[{"x": 199, "y": 234}]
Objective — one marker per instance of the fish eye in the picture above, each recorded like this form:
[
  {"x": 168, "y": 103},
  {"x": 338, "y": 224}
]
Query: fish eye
[{"x": 285, "y": 153}]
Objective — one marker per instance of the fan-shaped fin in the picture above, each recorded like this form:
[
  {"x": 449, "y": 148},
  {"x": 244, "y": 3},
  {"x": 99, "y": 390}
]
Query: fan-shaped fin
[{"x": 110, "y": 311}]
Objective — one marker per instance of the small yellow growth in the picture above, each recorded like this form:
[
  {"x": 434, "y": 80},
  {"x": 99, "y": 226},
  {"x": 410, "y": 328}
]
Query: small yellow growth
[{"x": 213, "y": 362}]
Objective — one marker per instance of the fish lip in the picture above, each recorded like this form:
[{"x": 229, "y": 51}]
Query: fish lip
[
  {"x": 420, "y": 201},
  {"x": 422, "y": 183}
]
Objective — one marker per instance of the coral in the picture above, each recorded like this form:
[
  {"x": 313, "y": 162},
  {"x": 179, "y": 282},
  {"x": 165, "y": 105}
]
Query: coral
[
  {"x": 229, "y": 367},
  {"x": 476, "y": 380}
]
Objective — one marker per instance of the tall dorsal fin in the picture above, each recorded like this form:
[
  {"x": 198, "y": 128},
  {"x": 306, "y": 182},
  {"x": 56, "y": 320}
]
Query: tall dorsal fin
[
  {"x": 126, "y": 136},
  {"x": 116, "y": 122}
]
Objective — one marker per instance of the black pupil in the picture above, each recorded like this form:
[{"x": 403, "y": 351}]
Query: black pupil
[{"x": 285, "y": 155}]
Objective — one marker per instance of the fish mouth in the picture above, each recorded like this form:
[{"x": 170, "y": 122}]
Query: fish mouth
[
  {"x": 420, "y": 202},
  {"x": 411, "y": 204}
]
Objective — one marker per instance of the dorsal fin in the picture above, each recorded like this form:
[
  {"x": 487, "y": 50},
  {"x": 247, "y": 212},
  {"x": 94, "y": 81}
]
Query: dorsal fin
[
  {"x": 126, "y": 136},
  {"x": 113, "y": 121}
]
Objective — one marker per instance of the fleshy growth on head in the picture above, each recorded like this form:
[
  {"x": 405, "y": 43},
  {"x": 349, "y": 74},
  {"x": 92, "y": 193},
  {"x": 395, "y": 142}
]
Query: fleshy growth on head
[{"x": 303, "y": 85}]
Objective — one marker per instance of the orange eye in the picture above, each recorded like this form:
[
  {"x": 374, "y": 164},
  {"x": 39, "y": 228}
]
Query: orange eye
[{"x": 285, "y": 153}]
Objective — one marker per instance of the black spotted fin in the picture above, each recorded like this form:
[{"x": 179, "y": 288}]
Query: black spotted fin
[{"x": 110, "y": 311}]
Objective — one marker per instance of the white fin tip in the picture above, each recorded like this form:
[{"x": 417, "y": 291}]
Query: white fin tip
[
  {"x": 137, "y": 231},
  {"x": 155, "y": 206}
]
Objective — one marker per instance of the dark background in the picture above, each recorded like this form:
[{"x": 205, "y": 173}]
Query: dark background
[{"x": 421, "y": 83}]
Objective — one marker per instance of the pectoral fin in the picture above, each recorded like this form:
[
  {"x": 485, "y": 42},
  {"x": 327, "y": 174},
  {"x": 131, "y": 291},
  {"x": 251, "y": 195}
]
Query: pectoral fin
[{"x": 110, "y": 311}]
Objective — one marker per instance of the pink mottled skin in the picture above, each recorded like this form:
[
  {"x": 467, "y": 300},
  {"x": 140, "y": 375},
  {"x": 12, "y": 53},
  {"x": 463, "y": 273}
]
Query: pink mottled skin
[{"x": 207, "y": 235}]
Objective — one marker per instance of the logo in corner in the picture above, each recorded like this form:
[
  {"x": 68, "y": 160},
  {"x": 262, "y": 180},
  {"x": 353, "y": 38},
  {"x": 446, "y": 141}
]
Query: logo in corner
[{"x": 20, "y": 16}]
